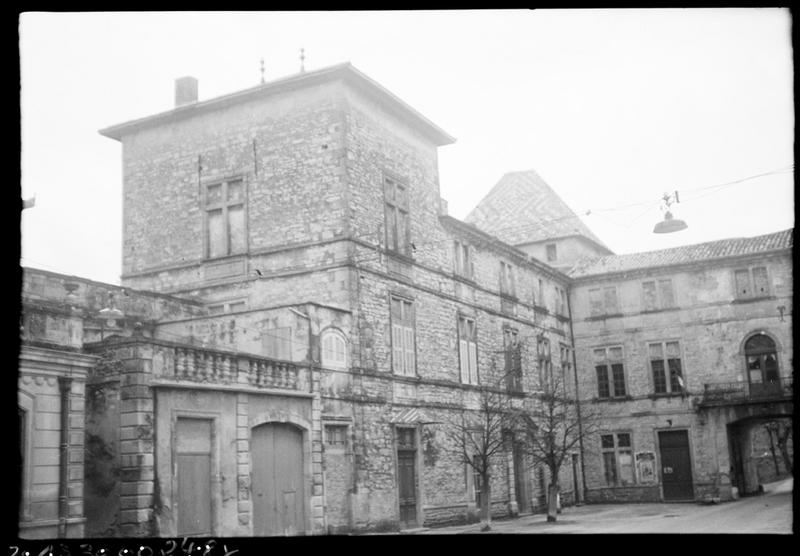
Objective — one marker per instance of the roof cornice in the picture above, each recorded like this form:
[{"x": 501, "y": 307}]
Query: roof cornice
[{"x": 345, "y": 72}]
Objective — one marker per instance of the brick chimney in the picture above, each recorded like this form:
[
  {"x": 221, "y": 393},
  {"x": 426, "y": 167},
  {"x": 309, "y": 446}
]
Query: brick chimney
[{"x": 185, "y": 90}]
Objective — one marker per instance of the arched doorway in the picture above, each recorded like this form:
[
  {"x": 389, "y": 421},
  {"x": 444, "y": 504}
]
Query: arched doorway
[
  {"x": 762, "y": 366},
  {"x": 277, "y": 481}
]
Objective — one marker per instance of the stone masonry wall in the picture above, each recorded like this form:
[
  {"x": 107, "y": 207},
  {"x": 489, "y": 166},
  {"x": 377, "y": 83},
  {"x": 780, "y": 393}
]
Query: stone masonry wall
[{"x": 711, "y": 326}]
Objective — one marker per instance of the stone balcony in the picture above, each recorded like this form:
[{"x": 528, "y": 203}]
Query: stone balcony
[
  {"x": 731, "y": 393},
  {"x": 178, "y": 364}
]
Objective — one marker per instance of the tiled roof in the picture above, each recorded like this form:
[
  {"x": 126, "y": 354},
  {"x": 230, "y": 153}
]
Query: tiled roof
[
  {"x": 686, "y": 254},
  {"x": 522, "y": 208}
]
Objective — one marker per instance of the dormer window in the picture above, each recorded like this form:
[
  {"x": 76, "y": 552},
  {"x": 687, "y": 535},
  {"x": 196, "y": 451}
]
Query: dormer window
[{"x": 552, "y": 255}]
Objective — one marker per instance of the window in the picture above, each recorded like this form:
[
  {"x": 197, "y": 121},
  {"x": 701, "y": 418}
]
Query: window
[
  {"x": 507, "y": 279},
  {"x": 551, "y": 252},
  {"x": 658, "y": 294},
  {"x": 561, "y": 301},
  {"x": 468, "y": 350},
  {"x": 336, "y": 436},
  {"x": 566, "y": 364},
  {"x": 334, "y": 350},
  {"x": 617, "y": 458},
  {"x": 398, "y": 238},
  {"x": 603, "y": 301},
  {"x": 762, "y": 366},
  {"x": 464, "y": 267},
  {"x": 513, "y": 368},
  {"x": 477, "y": 480},
  {"x": 610, "y": 372},
  {"x": 403, "y": 350},
  {"x": 225, "y": 218},
  {"x": 666, "y": 356},
  {"x": 541, "y": 292},
  {"x": 277, "y": 343},
  {"x": 545, "y": 363},
  {"x": 751, "y": 282}
]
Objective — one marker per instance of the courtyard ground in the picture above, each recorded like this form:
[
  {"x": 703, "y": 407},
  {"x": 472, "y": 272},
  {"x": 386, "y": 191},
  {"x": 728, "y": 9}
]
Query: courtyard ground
[{"x": 768, "y": 513}]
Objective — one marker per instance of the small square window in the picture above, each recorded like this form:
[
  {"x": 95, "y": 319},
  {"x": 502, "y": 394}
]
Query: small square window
[{"x": 336, "y": 435}]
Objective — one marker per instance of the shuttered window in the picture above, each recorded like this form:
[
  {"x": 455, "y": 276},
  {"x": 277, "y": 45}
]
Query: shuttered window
[
  {"x": 403, "y": 344},
  {"x": 603, "y": 301},
  {"x": 751, "y": 282},
  {"x": 468, "y": 350}
]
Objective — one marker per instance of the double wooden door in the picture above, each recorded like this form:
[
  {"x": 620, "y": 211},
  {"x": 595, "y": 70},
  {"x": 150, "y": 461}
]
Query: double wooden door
[{"x": 278, "y": 492}]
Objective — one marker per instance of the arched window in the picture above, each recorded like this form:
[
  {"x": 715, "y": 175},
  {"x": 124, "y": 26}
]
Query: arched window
[
  {"x": 334, "y": 349},
  {"x": 762, "y": 364}
]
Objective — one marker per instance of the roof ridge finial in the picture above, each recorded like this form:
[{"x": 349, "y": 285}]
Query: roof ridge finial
[
  {"x": 262, "y": 70},
  {"x": 302, "y": 60}
]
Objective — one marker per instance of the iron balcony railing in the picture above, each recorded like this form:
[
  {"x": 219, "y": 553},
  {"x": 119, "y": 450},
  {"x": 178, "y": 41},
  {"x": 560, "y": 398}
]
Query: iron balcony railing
[{"x": 728, "y": 392}]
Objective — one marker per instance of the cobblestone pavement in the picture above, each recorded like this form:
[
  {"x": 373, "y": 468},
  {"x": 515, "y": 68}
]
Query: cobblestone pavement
[{"x": 768, "y": 513}]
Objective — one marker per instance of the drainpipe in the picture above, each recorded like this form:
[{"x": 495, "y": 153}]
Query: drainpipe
[
  {"x": 64, "y": 384},
  {"x": 577, "y": 398}
]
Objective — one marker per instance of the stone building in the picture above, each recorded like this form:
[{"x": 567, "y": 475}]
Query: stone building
[
  {"x": 689, "y": 350},
  {"x": 293, "y": 285}
]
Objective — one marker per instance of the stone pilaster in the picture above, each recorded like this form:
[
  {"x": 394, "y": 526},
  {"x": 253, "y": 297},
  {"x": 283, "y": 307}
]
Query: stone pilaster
[{"x": 245, "y": 507}]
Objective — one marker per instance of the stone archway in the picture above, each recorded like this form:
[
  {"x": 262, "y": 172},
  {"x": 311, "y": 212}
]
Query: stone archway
[{"x": 750, "y": 452}]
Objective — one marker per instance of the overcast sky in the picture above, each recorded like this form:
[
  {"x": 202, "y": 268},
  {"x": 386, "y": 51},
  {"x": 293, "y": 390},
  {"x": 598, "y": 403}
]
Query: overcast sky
[{"x": 611, "y": 107}]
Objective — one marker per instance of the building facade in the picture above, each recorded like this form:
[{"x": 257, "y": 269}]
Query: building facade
[
  {"x": 689, "y": 352},
  {"x": 299, "y": 319}
]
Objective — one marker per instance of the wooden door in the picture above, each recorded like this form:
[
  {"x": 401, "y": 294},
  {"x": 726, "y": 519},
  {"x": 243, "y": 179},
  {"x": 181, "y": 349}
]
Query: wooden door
[
  {"x": 277, "y": 480},
  {"x": 676, "y": 466},
  {"x": 407, "y": 476},
  {"x": 521, "y": 482},
  {"x": 193, "y": 469}
]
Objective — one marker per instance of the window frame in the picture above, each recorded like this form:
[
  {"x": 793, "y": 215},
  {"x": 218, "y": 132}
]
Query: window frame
[
  {"x": 609, "y": 362},
  {"x": 472, "y": 375},
  {"x": 405, "y": 324},
  {"x": 751, "y": 282},
  {"x": 669, "y": 390},
  {"x": 336, "y": 334},
  {"x": 224, "y": 205},
  {"x": 617, "y": 450},
  {"x": 512, "y": 353},
  {"x": 337, "y": 445},
  {"x": 551, "y": 248},
  {"x": 508, "y": 286},
  {"x": 604, "y": 309},
  {"x": 659, "y": 301},
  {"x": 393, "y": 207},
  {"x": 463, "y": 265}
]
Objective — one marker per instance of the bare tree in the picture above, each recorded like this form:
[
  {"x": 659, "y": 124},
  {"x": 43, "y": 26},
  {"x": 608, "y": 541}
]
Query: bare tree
[
  {"x": 780, "y": 431},
  {"x": 551, "y": 429},
  {"x": 475, "y": 436}
]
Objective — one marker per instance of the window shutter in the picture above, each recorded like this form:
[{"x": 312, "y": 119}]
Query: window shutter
[
  {"x": 742, "y": 283},
  {"x": 397, "y": 348},
  {"x": 473, "y": 363},
  {"x": 463, "y": 356},
  {"x": 760, "y": 285},
  {"x": 409, "y": 350}
]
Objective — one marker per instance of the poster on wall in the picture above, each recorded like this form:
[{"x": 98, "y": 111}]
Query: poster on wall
[{"x": 646, "y": 467}]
